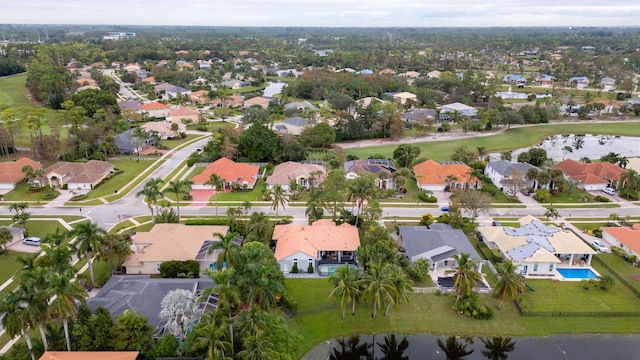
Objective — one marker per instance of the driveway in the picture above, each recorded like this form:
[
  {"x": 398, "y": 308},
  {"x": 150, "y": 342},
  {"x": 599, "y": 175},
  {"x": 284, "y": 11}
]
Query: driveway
[{"x": 20, "y": 247}]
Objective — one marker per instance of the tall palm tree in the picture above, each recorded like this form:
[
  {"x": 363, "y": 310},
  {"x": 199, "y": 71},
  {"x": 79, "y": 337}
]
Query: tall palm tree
[
  {"x": 210, "y": 334},
  {"x": 630, "y": 181},
  {"x": 402, "y": 287},
  {"x": 466, "y": 276},
  {"x": 378, "y": 283},
  {"x": 151, "y": 193},
  {"x": 346, "y": 284},
  {"x": 551, "y": 213},
  {"x": 510, "y": 283},
  {"x": 216, "y": 183},
  {"x": 89, "y": 238},
  {"x": 256, "y": 348},
  {"x": 179, "y": 188},
  {"x": 5, "y": 238},
  {"x": 227, "y": 248},
  {"x": 36, "y": 314},
  {"x": 360, "y": 190},
  {"x": 56, "y": 258},
  {"x": 14, "y": 321},
  {"x": 65, "y": 305},
  {"x": 228, "y": 295},
  {"x": 279, "y": 197}
]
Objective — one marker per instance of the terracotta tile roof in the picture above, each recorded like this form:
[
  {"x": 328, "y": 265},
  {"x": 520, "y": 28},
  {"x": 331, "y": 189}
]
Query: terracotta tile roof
[
  {"x": 78, "y": 172},
  {"x": 592, "y": 173},
  {"x": 11, "y": 171},
  {"x": 431, "y": 172},
  {"x": 322, "y": 235},
  {"x": 93, "y": 355},
  {"x": 149, "y": 79},
  {"x": 230, "y": 171},
  {"x": 285, "y": 172},
  {"x": 183, "y": 112},
  {"x": 258, "y": 100},
  {"x": 167, "y": 242},
  {"x": 153, "y": 106},
  {"x": 628, "y": 237}
]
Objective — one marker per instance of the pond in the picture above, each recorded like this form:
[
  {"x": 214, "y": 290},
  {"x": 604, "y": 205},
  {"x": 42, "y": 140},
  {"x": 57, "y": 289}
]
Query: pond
[
  {"x": 399, "y": 347},
  {"x": 273, "y": 88},
  {"x": 577, "y": 146}
]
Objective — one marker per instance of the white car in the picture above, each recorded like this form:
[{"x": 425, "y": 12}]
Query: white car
[
  {"x": 609, "y": 191},
  {"x": 600, "y": 246}
]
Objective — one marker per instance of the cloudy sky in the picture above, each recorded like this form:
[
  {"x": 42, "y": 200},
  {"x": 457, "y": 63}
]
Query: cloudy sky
[{"x": 335, "y": 13}]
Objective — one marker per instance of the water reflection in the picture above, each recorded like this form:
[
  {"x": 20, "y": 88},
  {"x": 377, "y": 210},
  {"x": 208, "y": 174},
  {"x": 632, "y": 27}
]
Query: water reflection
[
  {"x": 456, "y": 348},
  {"x": 497, "y": 348}
]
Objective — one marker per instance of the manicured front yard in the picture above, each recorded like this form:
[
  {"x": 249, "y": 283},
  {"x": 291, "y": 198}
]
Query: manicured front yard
[
  {"x": 9, "y": 265},
  {"x": 130, "y": 169},
  {"x": 20, "y": 194},
  {"x": 241, "y": 195}
]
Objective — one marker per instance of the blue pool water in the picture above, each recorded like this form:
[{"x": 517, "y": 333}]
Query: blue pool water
[
  {"x": 329, "y": 269},
  {"x": 577, "y": 273}
]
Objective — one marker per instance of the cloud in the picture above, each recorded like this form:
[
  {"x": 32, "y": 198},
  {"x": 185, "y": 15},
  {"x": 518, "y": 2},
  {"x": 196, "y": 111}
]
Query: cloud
[{"x": 370, "y": 13}]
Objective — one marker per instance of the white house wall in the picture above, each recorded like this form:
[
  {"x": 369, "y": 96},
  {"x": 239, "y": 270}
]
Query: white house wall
[
  {"x": 542, "y": 270},
  {"x": 286, "y": 264},
  {"x": 432, "y": 187}
]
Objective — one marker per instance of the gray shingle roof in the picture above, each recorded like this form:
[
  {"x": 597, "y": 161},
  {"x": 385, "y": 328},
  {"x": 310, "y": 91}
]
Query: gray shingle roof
[
  {"x": 296, "y": 121},
  {"x": 504, "y": 167},
  {"x": 536, "y": 234},
  {"x": 438, "y": 243}
]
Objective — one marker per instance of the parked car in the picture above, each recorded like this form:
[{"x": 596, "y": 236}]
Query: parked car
[
  {"x": 609, "y": 191},
  {"x": 600, "y": 246},
  {"x": 495, "y": 223},
  {"x": 33, "y": 241},
  {"x": 199, "y": 148},
  {"x": 525, "y": 192},
  {"x": 444, "y": 208}
]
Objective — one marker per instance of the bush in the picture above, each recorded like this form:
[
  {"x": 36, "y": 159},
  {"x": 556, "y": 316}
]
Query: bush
[
  {"x": 289, "y": 304},
  {"x": 49, "y": 195},
  {"x": 202, "y": 127},
  {"x": 602, "y": 198},
  {"x": 606, "y": 281},
  {"x": 207, "y": 222},
  {"x": 419, "y": 270},
  {"x": 444, "y": 219},
  {"x": 175, "y": 269},
  {"x": 79, "y": 197},
  {"x": 294, "y": 269},
  {"x": 542, "y": 195},
  {"x": 427, "y": 197},
  {"x": 310, "y": 268}
]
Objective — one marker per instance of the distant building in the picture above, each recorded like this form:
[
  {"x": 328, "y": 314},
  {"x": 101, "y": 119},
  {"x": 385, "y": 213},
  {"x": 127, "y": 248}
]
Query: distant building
[{"x": 118, "y": 35}]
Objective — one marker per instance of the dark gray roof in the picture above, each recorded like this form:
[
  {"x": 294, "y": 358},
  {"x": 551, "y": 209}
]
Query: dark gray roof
[
  {"x": 296, "y": 121},
  {"x": 14, "y": 230},
  {"x": 140, "y": 292},
  {"x": 123, "y": 140},
  {"x": 130, "y": 104},
  {"x": 438, "y": 243},
  {"x": 505, "y": 167},
  {"x": 419, "y": 114}
]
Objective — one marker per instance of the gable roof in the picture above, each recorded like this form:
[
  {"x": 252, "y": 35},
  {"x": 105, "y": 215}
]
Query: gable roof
[
  {"x": 456, "y": 106},
  {"x": 321, "y": 235},
  {"x": 629, "y": 237},
  {"x": 430, "y": 172},
  {"x": 230, "y": 171},
  {"x": 258, "y": 100},
  {"x": 300, "y": 104},
  {"x": 154, "y": 106},
  {"x": 79, "y": 172},
  {"x": 283, "y": 173},
  {"x": 183, "y": 112},
  {"x": 419, "y": 114},
  {"x": 93, "y": 355},
  {"x": 162, "y": 127},
  {"x": 592, "y": 173},
  {"x": 296, "y": 121},
  {"x": 130, "y": 104},
  {"x": 11, "y": 171},
  {"x": 505, "y": 167},
  {"x": 436, "y": 244}
]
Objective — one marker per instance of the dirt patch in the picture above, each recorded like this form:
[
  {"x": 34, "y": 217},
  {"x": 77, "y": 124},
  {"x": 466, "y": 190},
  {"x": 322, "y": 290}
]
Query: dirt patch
[{"x": 634, "y": 277}]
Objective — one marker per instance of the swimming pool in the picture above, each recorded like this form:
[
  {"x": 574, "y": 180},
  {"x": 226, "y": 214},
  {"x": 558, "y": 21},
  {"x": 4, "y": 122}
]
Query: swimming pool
[
  {"x": 329, "y": 269},
  {"x": 577, "y": 273}
]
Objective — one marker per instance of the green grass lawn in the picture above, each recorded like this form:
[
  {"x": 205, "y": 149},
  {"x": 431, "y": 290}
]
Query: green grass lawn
[
  {"x": 623, "y": 268},
  {"x": 511, "y": 139},
  {"x": 211, "y": 126},
  {"x": 253, "y": 195},
  {"x": 9, "y": 265},
  {"x": 130, "y": 169},
  {"x": 121, "y": 225},
  {"x": 41, "y": 228},
  {"x": 20, "y": 194},
  {"x": 173, "y": 143}
]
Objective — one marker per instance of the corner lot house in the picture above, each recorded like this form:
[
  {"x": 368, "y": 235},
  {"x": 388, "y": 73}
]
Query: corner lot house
[
  {"x": 233, "y": 173},
  {"x": 167, "y": 242},
  {"x": 434, "y": 176},
  {"x": 78, "y": 175},
  {"x": 11, "y": 172},
  {"x": 537, "y": 249},
  {"x": 321, "y": 243},
  {"x": 507, "y": 175},
  {"x": 437, "y": 244},
  {"x": 592, "y": 176},
  {"x": 308, "y": 176},
  {"x": 628, "y": 239}
]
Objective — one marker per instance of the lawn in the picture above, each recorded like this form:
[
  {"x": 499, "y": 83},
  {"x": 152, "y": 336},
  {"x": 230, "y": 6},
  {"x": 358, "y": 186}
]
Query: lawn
[
  {"x": 241, "y": 195},
  {"x": 174, "y": 143},
  {"x": 20, "y": 194},
  {"x": 41, "y": 228},
  {"x": 130, "y": 169},
  {"x": 211, "y": 126},
  {"x": 515, "y": 138},
  {"x": 623, "y": 268},
  {"x": 429, "y": 313},
  {"x": 9, "y": 265}
]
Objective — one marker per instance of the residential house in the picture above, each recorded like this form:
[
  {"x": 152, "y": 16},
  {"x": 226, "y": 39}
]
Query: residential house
[
  {"x": 508, "y": 176},
  {"x": 11, "y": 172},
  {"x": 308, "y": 176},
  {"x": 403, "y": 97},
  {"x": 168, "y": 91},
  {"x": 293, "y": 125},
  {"x": 438, "y": 244},
  {"x": 129, "y": 144},
  {"x": 410, "y": 75},
  {"x": 321, "y": 243},
  {"x": 150, "y": 80},
  {"x": 300, "y": 106},
  {"x": 232, "y": 173},
  {"x": 173, "y": 93},
  {"x": 544, "y": 80},
  {"x": 626, "y": 238},
  {"x": 439, "y": 176},
  {"x": 435, "y": 74},
  {"x": 366, "y": 102},
  {"x": 420, "y": 116},
  {"x": 579, "y": 82},
  {"x": 257, "y": 101},
  {"x": 17, "y": 233},
  {"x": 204, "y": 65},
  {"x": 231, "y": 101},
  {"x": 592, "y": 176},
  {"x": 537, "y": 249},
  {"x": 516, "y": 79},
  {"x": 461, "y": 109},
  {"x": 200, "y": 97},
  {"x": 235, "y": 84},
  {"x": 184, "y": 115},
  {"x": 383, "y": 169},
  {"x": 93, "y": 355},
  {"x": 163, "y": 129},
  {"x": 172, "y": 242},
  {"x": 133, "y": 105},
  {"x": 155, "y": 110},
  {"x": 78, "y": 175},
  {"x": 386, "y": 71},
  {"x": 608, "y": 84}
]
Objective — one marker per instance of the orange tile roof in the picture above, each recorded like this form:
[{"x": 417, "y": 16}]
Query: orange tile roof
[
  {"x": 258, "y": 100},
  {"x": 183, "y": 112},
  {"x": 431, "y": 172},
  {"x": 322, "y": 235},
  {"x": 11, "y": 171},
  {"x": 149, "y": 79},
  {"x": 591, "y": 173},
  {"x": 93, "y": 355},
  {"x": 153, "y": 106},
  {"x": 628, "y": 237},
  {"x": 230, "y": 171},
  {"x": 285, "y": 172}
]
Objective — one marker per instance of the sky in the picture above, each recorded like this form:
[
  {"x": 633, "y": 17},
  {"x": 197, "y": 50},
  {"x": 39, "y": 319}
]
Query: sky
[{"x": 330, "y": 13}]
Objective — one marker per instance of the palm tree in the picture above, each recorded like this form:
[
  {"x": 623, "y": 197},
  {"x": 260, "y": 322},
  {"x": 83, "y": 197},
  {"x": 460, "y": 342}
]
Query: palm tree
[
  {"x": 56, "y": 257},
  {"x": 509, "y": 284},
  {"x": 216, "y": 183},
  {"x": 5, "y": 238},
  {"x": 151, "y": 192},
  {"x": 89, "y": 238},
  {"x": 65, "y": 305},
  {"x": 181, "y": 310},
  {"x": 360, "y": 190},
  {"x": 532, "y": 174},
  {"x": 227, "y": 248},
  {"x": 36, "y": 313},
  {"x": 551, "y": 213},
  {"x": 14, "y": 321},
  {"x": 402, "y": 286},
  {"x": 482, "y": 153},
  {"x": 246, "y": 206},
  {"x": 179, "y": 188},
  {"x": 314, "y": 210},
  {"x": 378, "y": 282},
  {"x": 497, "y": 347},
  {"x": 228, "y": 296},
  {"x": 630, "y": 181},
  {"x": 466, "y": 276},
  {"x": 256, "y": 348},
  {"x": 279, "y": 197},
  {"x": 210, "y": 334},
  {"x": 347, "y": 283}
]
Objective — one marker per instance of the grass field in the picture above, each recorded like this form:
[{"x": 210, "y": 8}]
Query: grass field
[
  {"x": 41, "y": 228},
  {"x": 9, "y": 265},
  {"x": 511, "y": 139},
  {"x": 623, "y": 268},
  {"x": 130, "y": 169}
]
